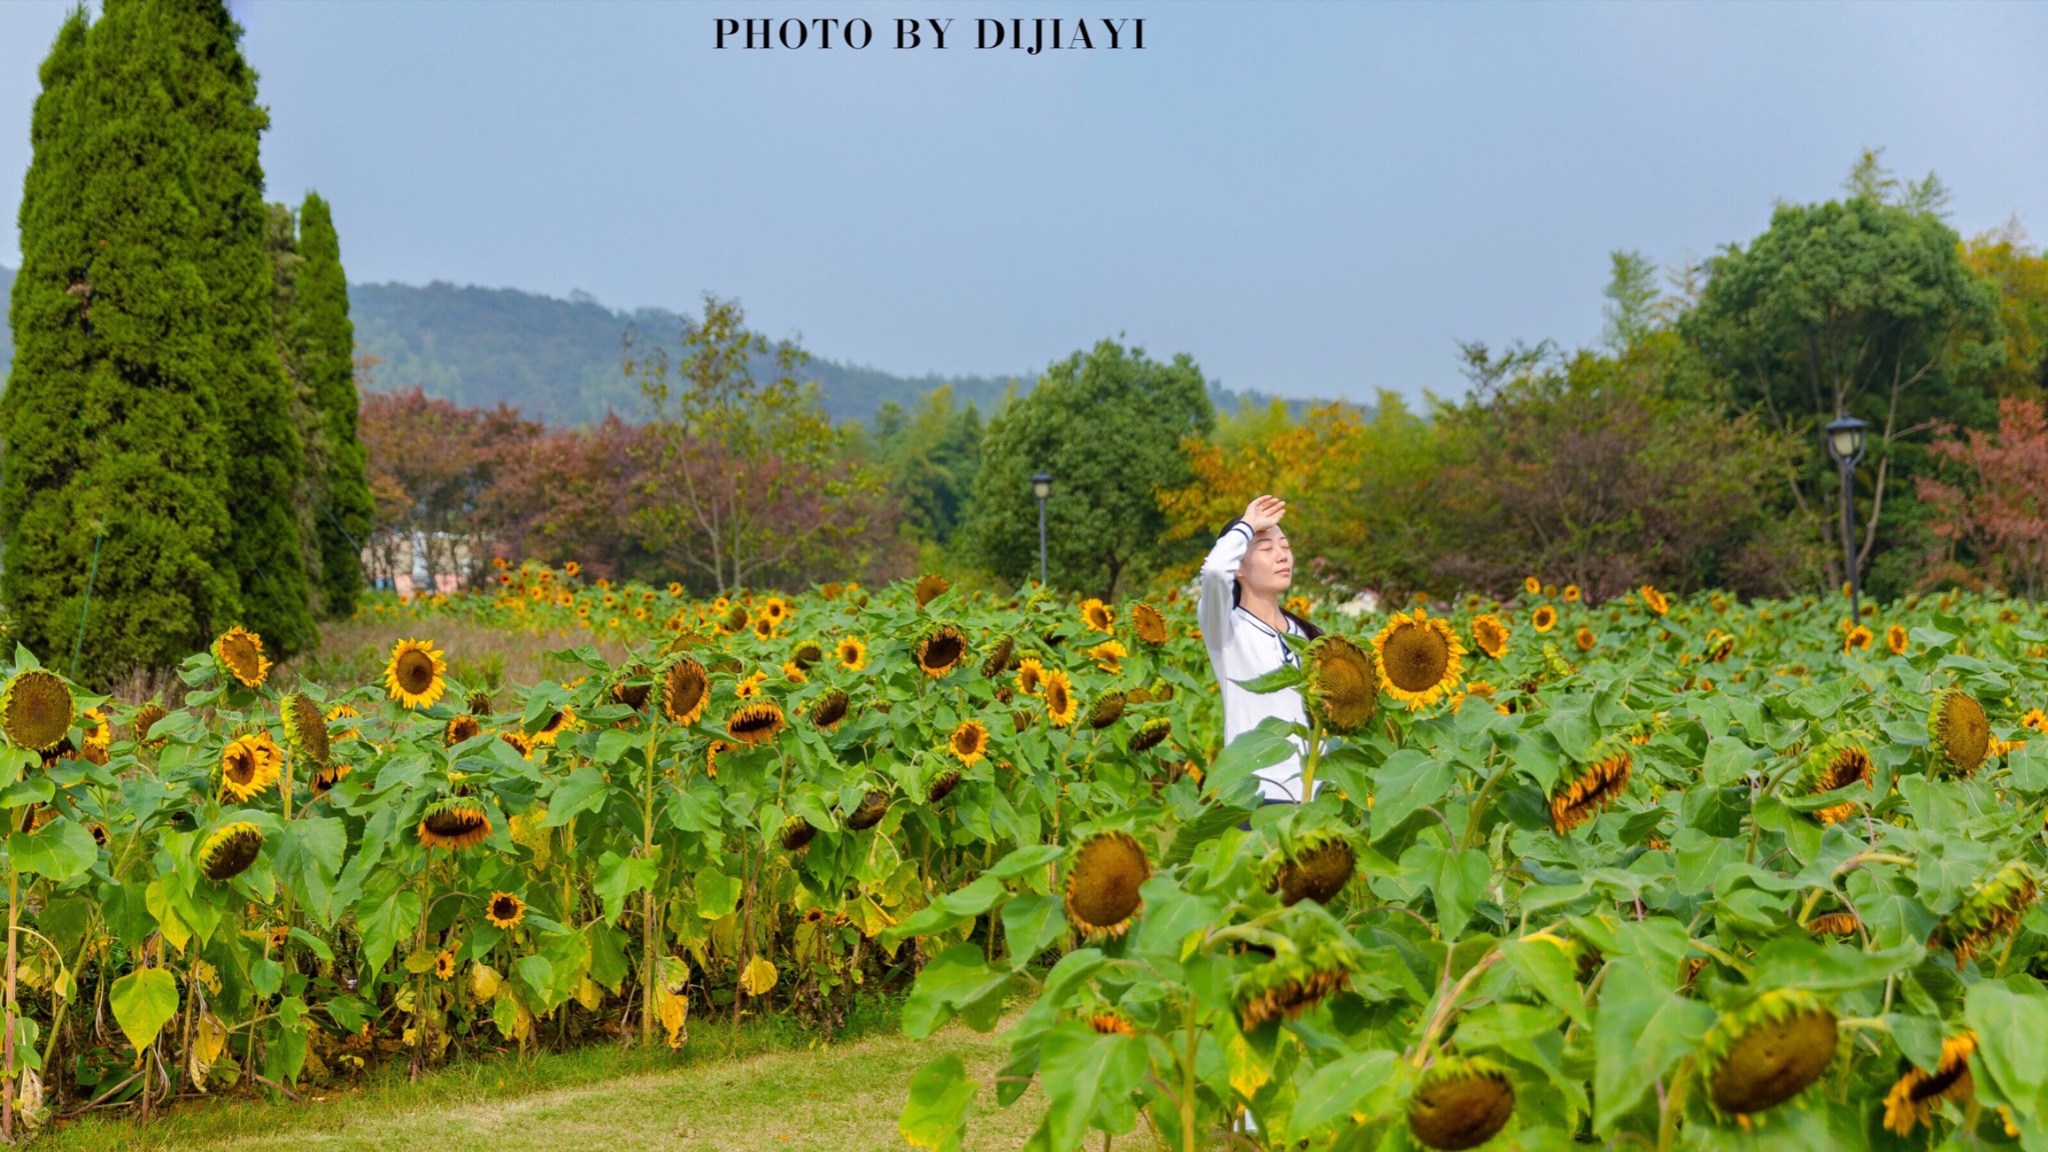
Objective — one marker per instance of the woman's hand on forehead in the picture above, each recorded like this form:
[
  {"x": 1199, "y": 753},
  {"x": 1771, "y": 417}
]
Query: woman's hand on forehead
[{"x": 1264, "y": 512}]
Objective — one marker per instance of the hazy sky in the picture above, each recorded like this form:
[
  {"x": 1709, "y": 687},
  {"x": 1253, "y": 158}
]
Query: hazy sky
[{"x": 1310, "y": 199}]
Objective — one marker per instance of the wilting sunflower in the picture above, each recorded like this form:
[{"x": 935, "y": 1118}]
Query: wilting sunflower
[
  {"x": 416, "y": 675},
  {"x": 942, "y": 651},
  {"x": 1315, "y": 867},
  {"x": 1342, "y": 688},
  {"x": 1418, "y": 658},
  {"x": 1768, "y": 1051},
  {"x": 36, "y": 709},
  {"x": 685, "y": 687},
  {"x": 828, "y": 710},
  {"x": 755, "y": 723},
  {"x": 1151, "y": 734},
  {"x": 969, "y": 742},
  {"x": 230, "y": 851},
  {"x": 505, "y": 910},
  {"x": 1287, "y": 986},
  {"x": 1110, "y": 1024},
  {"x": 1655, "y": 600},
  {"x": 1108, "y": 709},
  {"x": 1103, "y": 883},
  {"x": 1060, "y": 705},
  {"x": 1461, "y": 1103},
  {"x": 1895, "y": 640},
  {"x": 806, "y": 655},
  {"x": 1109, "y": 655},
  {"x": 929, "y": 587},
  {"x": 998, "y": 659},
  {"x": 1030, "y": 676},
  {"x": 852, "y": 654},
  {"x": 1959, "y": 731},
  {"x": 240, "y": 653},
  {"x": 1593, "y": 786},
  {"x": 145, "y": 718},
  {"x": 1532, "y": 585},
  {"x": 1490, "y": 635},
  {"x": 559, "y": 721},
  {"x": 632, "y": 695},
  {"x": 942, "y": 786},
  {"x": 869, "y": 812},
  {"x": 1916, "y": 1094},
  {"x": 1834, "y": 924},
  {"x": 305, "y": 728},
  {"x": 1099, "y": 617},
  {"x": 1839, "y": 762},
  {"x": 1544, "y": 618},
  {"x": 463, "y": 727},
  {"x": 1147, "y": 622},
  {"x": 1992, "y": 908},
  {"x": 250, "y": 764},
  {"x": 455, "y": 823},
  {"x": 1585, "y": 639},
  {"x": 796, "y": 834}
]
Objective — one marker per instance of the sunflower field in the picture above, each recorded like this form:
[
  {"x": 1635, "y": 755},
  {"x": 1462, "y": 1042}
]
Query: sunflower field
[{"x": 1656, "y": 871}]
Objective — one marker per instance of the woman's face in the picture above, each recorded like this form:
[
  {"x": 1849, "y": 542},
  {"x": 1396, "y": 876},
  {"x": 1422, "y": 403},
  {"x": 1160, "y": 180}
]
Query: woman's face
[{"x": 1268, "y": 567}]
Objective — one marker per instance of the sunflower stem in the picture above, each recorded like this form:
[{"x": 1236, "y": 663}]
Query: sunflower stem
[
  {"x": 1674, "y": 1106},
  {"x": 1308, "y": 766},
  {"x": 647, "y": 970},
  {"x": 13, "y": 933}
]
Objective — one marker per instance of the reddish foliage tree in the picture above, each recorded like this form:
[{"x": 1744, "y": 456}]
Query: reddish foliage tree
[{"x": 1996, "y": 510}]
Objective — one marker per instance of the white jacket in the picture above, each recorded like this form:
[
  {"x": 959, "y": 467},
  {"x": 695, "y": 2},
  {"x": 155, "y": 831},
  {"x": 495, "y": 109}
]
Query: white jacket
[{"x": 1243, "y": 647}]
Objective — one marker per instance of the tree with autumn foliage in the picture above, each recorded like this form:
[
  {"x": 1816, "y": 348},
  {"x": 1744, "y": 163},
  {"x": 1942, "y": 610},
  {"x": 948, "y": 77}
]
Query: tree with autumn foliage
[{"x": 1991, "y": 507}]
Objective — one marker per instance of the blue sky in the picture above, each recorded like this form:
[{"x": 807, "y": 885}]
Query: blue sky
[{"x": 1310, "y": 199}]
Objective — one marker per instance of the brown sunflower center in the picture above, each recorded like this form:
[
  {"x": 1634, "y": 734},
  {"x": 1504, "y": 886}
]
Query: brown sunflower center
[
  {"x": 239, "y": 765},
  {"x": 942, "y": 650},
  {"x": 1850, "y": 766},
  {"x": 38, "y": 709},
  {"x": 1108, "y": 872},
  {"x": 504, "y": 907},
  {"x": 1416, "y": 657},
  {"x": 415, "y": 672},
  {"x": 457, "y": 820},
  {"x": 1774, "y": 1061}
]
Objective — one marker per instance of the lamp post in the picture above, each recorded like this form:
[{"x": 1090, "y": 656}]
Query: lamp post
[
  {"x": 1845, "y": 444},
  {"x": 1041, "y": 487}
]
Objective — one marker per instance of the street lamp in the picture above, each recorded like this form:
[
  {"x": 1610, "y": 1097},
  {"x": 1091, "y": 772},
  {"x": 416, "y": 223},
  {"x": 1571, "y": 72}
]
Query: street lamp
[
  {"x": 1041, "y": 487},
  {"x": 1845, "y": 444}
]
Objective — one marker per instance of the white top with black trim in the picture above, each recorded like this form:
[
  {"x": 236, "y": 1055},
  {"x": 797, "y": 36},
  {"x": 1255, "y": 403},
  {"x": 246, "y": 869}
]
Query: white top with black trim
[{"x": 1244, "y": 647}]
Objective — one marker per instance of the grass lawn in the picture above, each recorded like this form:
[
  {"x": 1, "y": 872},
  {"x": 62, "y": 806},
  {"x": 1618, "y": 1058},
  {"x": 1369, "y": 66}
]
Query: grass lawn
[{"x": 834, "y": 1098}]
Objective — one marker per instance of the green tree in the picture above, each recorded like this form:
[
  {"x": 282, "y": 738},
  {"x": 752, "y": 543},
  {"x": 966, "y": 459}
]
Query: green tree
[
  {"x": 109, "y": 421},
  {"x": 216, "y": 93},
  {"x": 1108, "y": 424},
  {"x": 931, "y": 454}
]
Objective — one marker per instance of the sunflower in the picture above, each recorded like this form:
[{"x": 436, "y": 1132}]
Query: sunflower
[
  {"x": 36, "y": 709},
  {"x": 942, "y": 651},
  {"x": 1461, "y": 1103},
  {"x": 806, "y": 655},
  {"x": 852, "y": 654},
  {"x": 1572, "y": 595},
  {"x": 1286, "y": 987},
  {"x": 250, "y": 764},
  {"x": 777, "y": 609},
  {"x": 1585, "y": 639},
  {"x": 2035, "y": 719},
  {"x": 1992, "y": 908},
  {"x": 828, "y": 710},
  {"x": 1916, "y": 1094},
  {"x": 1110, "y": 1024},
  {"x": 796, "y": 834},
  {"x": 1768, "y": 1051},
  {"x": 305, "y": 728},
  {"x": 240, "y": 653},
  {"x": 505, "y": 911},
  {"x": 1060, "y": 705},
  {"x": 1857, "y": 640},
  {"x": 1595, "y": 784},
  {"x": 1544, "y": 618},
  {"x": 1099, "y": 617},
  {"x": 755, "y": 723},
  {"x": 1108, "y": 709},
  {"x": 415, "y": 677},
  {"x": 559, "y": 721},
  {"x": 1532, "y": 585},
  {"x": 998, "y": 659},
  {"x": 1153, "y": 733},
  {"x": 463, "y": 727},
  {"x": 1958, "y": 730},
  {"x": 1654, "y": 600},
  {"x": 99, "y": 734},
  {"x": 1108, "y": 655},
  {"x": 1343, "y": 685},
  {"x": 764, "y": 628},
  {"x": 1315, "y": 867},
  {"x": 685, "y": 687},
  {"x": 571, "y": 569},
  {"x": 942, "y": 786},
  {"x": 969, "y": 742},
  {"x": 139, "y": 725},
  {"x": 869, "y": 812},
  {"x": 1840, "y": 762},
  {"x": 1895, "y": 640},
  {"x": 1150, "y": 626},
  {"x": 1834, "y": 924},
  {"x": 929, "y": 587},
  {"x": 1103, "y": 882},
  {"x": 230, "y": 851},
  {"x": 1418, "y": 658},
  {"x": 455, "y": 823},
  {"x": 632, "y": 695},
  {"x": 1030, "y": 676},
  {"x": 1490, "y": 635}
]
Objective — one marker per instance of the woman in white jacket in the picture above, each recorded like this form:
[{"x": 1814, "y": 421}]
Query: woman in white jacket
[{"x": 1246, "y": 574}]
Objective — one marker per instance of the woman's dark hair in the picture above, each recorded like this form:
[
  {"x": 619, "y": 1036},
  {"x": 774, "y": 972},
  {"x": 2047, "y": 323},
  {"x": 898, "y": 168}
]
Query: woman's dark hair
[{"x": 1237, "y": 593}]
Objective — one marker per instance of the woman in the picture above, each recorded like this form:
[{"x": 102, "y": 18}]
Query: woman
[{"x": 1246, "y": 574}]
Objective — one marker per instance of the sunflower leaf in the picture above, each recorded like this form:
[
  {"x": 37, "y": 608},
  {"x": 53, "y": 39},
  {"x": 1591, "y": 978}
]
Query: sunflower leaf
[{"x": 144, "y": 1001}]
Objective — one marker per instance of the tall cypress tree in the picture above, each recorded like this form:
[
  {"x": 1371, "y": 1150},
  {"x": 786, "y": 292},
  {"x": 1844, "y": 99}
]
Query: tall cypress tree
[
  {"x": 216, "y": 93},
  {"x": 112, "y": 474},
  {"x": 324, "y": 340}
]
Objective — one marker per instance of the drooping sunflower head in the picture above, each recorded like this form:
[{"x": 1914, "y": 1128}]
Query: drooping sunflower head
[
  {"x": 1916, "y": 1094},
  {"x": 1834, "y": 924},
  {"x": 1151, "y": 734},
  {"x": 305, "y": 728},
  {"x": 1343, "y": 685},
  {"x": 942, "y": 651},
  {"x": 633, "y": 695},
  {"x": 417, "y": 674},
  {"x": 230, "y": 851},
  {"x": 869, "y": 812},
  {"x": 806, "y": 655},
  {"x": 852, "y": 653},
  {"x": 36, "y": 709},
  {"x": 505, "y": 910},
  {"x": 1149, "y": 624},
  {"x": 1060, "y": 705},
  {"x": 1544, "y": 618},
  {"x": 1316, "y": 866},
  {"x": 455, "y": 823},
  {"x": 1490, "y": 635},
  {"x": 1103, "y": 882},
  {"x": 998, "y": 659},
  {"x": 755, "y": 723},
  {"x": 685, "y": 687},
  {"x": 1958, "y": 730},
  {"x": 1108, "y": 709},
  {"x": 240, "y": 654},
  {"x": 1584, "y": 790},
  {"x": 1992, "y": 908},
  {"x": 929, "y": 587},
  {"x": 795, "y": 834},
  {"x": 1655, "y": 601},
  {"x": 1099, "y": 617},
  {"x": 1841, "y": 761},
  {"x": 145, "y": 718},
  {"x": 1290, "y": 984},
  {"x": 942, "y": 785},
  {"x": 1768, "y": 1051},
  {"x": 1418, "y": 657},
  {"x": 969, "y": 742},
  {"x": 1462, "y": 1102},
  {"x": 463, "y": 727},
  {"x": 828, "y": 710},
  {"x": 250, "y": 764}
]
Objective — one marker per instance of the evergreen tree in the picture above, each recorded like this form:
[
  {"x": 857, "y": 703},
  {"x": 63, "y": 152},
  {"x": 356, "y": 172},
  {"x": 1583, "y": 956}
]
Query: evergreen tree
[
  {"x": 108, "y": 426},
  {"x": 323, "y": 350},
  {"x": 216, "y": 92}
]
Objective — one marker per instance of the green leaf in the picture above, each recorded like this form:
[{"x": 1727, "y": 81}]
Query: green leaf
[
  {"x": 1406, "y": 782},
  {"x": 385, "y": 922},
  {"x": 1279, "y": 679},
  {"x": 619, "y": 877},
  {"x": 1363, "y": 1083},
  {"x": 60, "y": 850},
  {"x": 1544, "y": 965},
  {"x": 1727, "y": 761},
  {"x": 144, "y": 1001},
  {"x": 1641, "y": 1029},
  {"x": 1213, "y": 822},
  {"x": 1021, "y": 861},
  {"x": 1261, "y": 747},
  {"x": 941, "y": 1099},
  {"x": 1790, "y": 962},
  {"x": 2012, "y": 1047},
  {"x": 717, "y": 894},
  {"x": 1455, "y": 879},
  {"x": 583, "y": 791},
  {"x": 958, "y": 980}
]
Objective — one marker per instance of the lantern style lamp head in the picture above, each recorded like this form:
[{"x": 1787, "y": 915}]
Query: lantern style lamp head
[
  {"x": 1041, "y": 485},
  {"x": 1845, "y": 439}
]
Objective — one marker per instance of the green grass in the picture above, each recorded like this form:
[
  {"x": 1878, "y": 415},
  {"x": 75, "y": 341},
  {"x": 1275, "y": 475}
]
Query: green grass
[{"x": 762, "y": 1092}]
